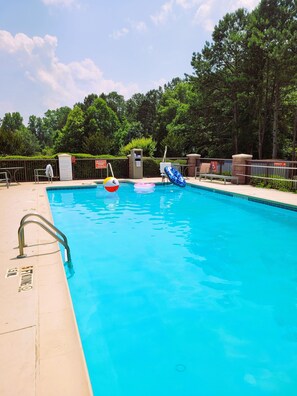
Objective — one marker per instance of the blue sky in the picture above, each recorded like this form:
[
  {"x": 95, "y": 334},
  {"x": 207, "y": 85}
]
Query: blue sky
[{"x": 55, "y": 52}]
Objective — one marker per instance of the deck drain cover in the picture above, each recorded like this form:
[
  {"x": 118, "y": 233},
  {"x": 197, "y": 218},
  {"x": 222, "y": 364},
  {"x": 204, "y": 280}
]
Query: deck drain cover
[
  {"x": 11, "y": 272},
  {"x": 26, "y": 278}
]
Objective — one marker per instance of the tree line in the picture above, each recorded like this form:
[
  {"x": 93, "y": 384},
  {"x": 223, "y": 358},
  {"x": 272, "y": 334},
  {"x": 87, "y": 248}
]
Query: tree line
[{"x": 241, "y": 97}]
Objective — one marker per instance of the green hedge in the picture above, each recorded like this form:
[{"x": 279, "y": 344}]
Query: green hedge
[{"x": 281, "y": 185}]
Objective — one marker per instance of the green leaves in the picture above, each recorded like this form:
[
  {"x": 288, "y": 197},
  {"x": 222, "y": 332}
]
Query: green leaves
[{"x": 146, "y": 144}]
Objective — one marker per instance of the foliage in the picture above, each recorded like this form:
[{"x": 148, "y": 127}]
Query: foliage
[
  {"x": 281, "y": 184},
  {"x": 72, "y": 135},
  {"x": 25, "y": 157},
  {"x": 146, "y": 144},
  {"x": 15, "y": 138},
  {"x": 151, "y": 167}
]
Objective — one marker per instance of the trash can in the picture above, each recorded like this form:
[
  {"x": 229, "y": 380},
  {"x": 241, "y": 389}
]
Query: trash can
[{"x": 136, "y": 164}]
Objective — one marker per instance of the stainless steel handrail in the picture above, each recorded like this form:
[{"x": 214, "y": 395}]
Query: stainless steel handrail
[
  {"x": 110, "y": 167},
  {"x": 46, "y": 221},
  {"x": 21, "y": 235}
]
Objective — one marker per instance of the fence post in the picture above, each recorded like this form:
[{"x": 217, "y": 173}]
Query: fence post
[
  {"x": 238, "y": 167},
  {"x": 192, "y": 161}
]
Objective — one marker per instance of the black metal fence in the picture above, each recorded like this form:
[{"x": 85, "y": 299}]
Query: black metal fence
[
  {"x": 82, "y": 168},
  {"x": 274, "y": 173},
  {"x": 27, "y": 166}
]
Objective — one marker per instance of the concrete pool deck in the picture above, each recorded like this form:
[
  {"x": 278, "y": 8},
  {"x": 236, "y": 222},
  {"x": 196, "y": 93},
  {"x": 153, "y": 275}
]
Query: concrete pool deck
[{"x": 40, "y": 349}]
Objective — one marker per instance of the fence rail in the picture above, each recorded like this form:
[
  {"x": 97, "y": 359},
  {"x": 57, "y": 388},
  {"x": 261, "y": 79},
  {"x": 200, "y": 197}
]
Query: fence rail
[
  {"x": 275, "y": 173},
  {"x": 26, "y": 173},
  {"x": 84, "y": 168},
  {"x": 272, "y": 173}
]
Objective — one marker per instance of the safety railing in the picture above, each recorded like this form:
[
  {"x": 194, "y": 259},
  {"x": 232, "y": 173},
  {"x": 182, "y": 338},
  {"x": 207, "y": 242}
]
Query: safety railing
[
  {"x": 49, "y": 227},
  {"x": 110, "y": 168},
  {"x": 277, "y": 174}
]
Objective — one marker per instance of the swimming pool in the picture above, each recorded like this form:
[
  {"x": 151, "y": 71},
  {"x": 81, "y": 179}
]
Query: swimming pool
[{"x": 182, "y": 291}]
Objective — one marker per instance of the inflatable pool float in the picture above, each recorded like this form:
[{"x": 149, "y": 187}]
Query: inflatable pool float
[
  {"x": 144, "y": 187},
  {"x": 111, "y": 184},
  {"x": 174, "y": 176}
]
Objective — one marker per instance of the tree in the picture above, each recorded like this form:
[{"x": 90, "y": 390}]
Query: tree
[
  {"x": 35, "y": 125},
  {"x": 127, "y": 132},
  {"x": 274, "y": 34},
  {"x": 116, "y": 102},
  {"x": 96, "y": 144},
  {"x": 221, "y": 79},
  {"x": 71, "y": 138},
  {"x": 15, "y": 138},
  {"x": 52, "y": 124},
  {"x": 174, "y": 127},
  {"x": 102, "y": 121}
]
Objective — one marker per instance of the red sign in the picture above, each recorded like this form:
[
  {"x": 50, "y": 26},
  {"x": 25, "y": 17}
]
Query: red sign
[
  {"x": 73, "y": 160},
  {"x": 100, "y": 164},
  {"x": 279, "y": 164},
  {"x": 214, "y": 166}
]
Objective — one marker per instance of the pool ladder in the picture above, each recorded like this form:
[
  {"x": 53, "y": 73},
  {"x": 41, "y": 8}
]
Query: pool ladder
[
  {"x": 50, "y": 228},
  {"x": 110, "y": 167}
]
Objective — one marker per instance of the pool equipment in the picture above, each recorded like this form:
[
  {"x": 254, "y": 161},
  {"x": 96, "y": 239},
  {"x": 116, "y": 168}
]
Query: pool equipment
[
  {"x": 164, "y": 156},
  {"x": 111, "y": 184},
  {"x": 144, "y": 188},
  {"x": 174, "y": 176}
]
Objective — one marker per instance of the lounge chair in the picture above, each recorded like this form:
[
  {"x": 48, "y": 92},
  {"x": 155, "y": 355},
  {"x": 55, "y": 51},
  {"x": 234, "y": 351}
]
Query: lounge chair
[
  {"x": 204, "y": 172},
  {"x": 47, "y": 173},
  {"x": 4, "y": 178}
]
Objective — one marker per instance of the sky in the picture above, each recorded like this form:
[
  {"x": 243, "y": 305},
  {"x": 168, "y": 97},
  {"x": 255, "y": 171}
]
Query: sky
[{"x": 54, "y": 53}]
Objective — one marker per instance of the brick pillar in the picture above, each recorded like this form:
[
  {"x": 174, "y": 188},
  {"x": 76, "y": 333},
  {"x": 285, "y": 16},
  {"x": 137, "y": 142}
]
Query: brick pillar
[
  {"x": 192, "y": 160},
  {"x": 239, "y": 169}
]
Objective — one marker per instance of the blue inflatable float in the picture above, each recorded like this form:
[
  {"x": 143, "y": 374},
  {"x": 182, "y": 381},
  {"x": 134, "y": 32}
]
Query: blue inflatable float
[{"x": 174, "y": 176}]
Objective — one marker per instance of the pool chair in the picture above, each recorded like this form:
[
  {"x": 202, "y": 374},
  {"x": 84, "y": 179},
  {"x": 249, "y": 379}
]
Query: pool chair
[
  {"x": 4, "y": 178},
  {"x": 162, "y": 171},
  {"x": 46, "y": 173},
  {"x": 203, "y": 169},
  {"x": 205, "y": 172}
]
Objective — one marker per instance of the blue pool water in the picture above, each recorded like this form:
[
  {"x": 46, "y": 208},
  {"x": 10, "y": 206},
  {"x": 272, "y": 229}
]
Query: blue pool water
[{"x": 182, "y": 292}]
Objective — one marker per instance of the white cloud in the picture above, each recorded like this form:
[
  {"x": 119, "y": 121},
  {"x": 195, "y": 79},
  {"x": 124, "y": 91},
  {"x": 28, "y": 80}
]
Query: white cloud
[
  {"x": 117, "y": 34},
  {"x": 140, "y": 26},
  {"x": 209, "y": 11},
  {"x": 24, "y": 44},
  {"x": 203, "y": 15},
  {"x": 186, "y": 4},
  {"x": 61, "y": 84},
  {"x": 162, "y": 16},
  {"x": 248, "y": 4},
  {"x": 205, "y": 12},
  {"x": 61, "y": 3}
]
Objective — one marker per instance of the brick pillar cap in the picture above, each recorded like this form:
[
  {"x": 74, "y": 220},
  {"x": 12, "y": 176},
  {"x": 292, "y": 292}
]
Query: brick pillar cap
[
  {"x": 243, "y": 156},
  {"x": 193, "y": 155}
]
